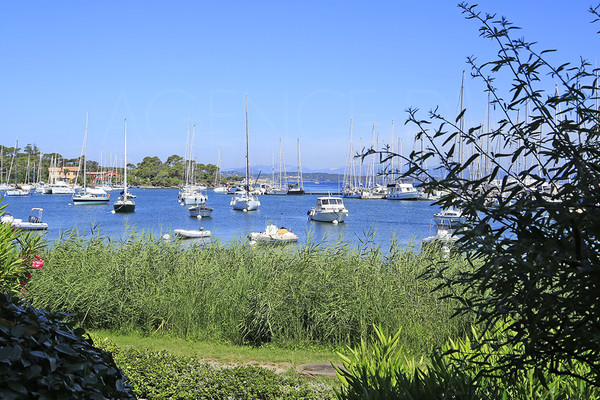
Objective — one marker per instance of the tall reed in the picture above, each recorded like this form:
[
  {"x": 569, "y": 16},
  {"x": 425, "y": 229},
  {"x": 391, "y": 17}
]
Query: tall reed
[{"x": 314, "y": 293}]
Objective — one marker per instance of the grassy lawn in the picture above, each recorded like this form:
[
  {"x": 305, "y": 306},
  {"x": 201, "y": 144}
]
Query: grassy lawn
[{"x": 269, "y": 356}]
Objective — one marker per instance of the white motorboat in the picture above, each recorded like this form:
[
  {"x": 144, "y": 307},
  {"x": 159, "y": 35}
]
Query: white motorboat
[
  {"x": 221, "y": 190},
  {"x": 33, "y": 223},
  {"x": 200, "y": 211},
  {"x": 375, "y": 192},
  {"x": 17, "y": 191},
  {"x": 273, "y": 235},
  {"x": 444, "y": 232},
  {"x": 62, "y": 187},
  {"x": 454, "y": 215},
  {"x": 192, "y": 233},
  {"x": 328, "y": 209},
  {"x": 191, "y": 195},
  {"x": 403, "y": 191}
]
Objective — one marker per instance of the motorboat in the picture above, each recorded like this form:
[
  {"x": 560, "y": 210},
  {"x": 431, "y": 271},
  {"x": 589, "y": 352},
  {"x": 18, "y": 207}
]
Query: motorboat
[
  {"x": 221, "y": 190},
  {"x": 454, "y": 215},
  {"x": 17, "y": 191},
  {"x": 90, "y": 195},
  {"x": 402, "y": 191},
  {"x": 274, "y": 235},
  {"x": 375, "y": 192},
  {"x": 192, "y": 233},
  {"x": 200, "y": 211},
  {"x": 33, "y": 223},
  {"x": 328, "y": 209},
  {"x": 444, "y": 233}
]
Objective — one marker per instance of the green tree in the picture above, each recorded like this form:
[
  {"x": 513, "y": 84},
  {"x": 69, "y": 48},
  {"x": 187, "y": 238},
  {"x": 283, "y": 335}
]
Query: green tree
[{"x": 533, "y": 237}]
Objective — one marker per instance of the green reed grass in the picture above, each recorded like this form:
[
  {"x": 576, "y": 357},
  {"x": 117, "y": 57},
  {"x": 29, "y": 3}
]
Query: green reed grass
[{"x": 311, "y": 294}]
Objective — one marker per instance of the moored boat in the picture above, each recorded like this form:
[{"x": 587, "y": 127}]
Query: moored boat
[
  {"x": 328, "y": 209},
  {"x": 125, "y": 204},
  {"x": 34, "y": 222},
  {"x": 192, "y": 233},
  {"x": 200, "y": 211},
  {"x": 273, "y": 235}
]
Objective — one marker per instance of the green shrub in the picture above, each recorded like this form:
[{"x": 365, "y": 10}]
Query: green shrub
[
  {"x": 459, "y": 370},
  {"x": 159, "y": 375},
  {"x": 43, "y": 357}
]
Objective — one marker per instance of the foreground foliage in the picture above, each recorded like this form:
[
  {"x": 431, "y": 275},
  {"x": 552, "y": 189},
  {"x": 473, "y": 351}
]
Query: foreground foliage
[
  {"x": 529, "y": 187},
  {"x": 160, "y": 375},
  {"x": 382, "y": 370},
  {"x": 42, "y": 357},
  {"x": 328, "y": 295}
]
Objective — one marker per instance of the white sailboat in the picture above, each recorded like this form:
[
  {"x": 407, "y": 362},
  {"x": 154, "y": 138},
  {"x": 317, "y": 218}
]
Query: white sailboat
[
  {"x": 244, "y": 200},
  {"x": 16, "y": 190},
  {"x": 124, "y": 204},
  {"x": 219, "y": 187},
  {"x": 191, "y": 193},
  {"x": 88, "y": 195},
  {"x": 350, "y": 186},
  {"x": 298, "y": 187},
  {"x": 278, "y": 187}
]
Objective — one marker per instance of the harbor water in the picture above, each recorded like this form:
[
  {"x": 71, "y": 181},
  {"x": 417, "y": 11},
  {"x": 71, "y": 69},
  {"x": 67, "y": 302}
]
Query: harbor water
[{"x": 158, "y": 212}]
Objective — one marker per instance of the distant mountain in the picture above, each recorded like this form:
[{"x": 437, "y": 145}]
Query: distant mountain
[{"x": 290, "y": 169}]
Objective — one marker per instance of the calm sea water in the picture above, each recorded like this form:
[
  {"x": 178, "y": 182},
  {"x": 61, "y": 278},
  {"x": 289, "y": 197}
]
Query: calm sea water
[{"x": 158, "y": 212}]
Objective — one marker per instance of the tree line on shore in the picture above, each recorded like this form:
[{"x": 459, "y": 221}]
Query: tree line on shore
[{"x": 30, "y": 165}]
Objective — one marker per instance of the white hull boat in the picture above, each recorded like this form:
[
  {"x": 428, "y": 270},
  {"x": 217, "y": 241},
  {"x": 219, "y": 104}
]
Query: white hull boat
[
  {"x": 244, "y": 202},
  {"x": 200, "y": 211},
  {"x": 273, "y": 235},
  {"x": 454, "y": 215},
  {"x": 403, "y": 191},
  {"x": 190, "y": 198},
  {"x": 328, "y": 209},
  {"x": 17, "y": 192},
  {"x": 33, "y": 223},
  {"x": 192, "y": 233},
  {"x": 221, "y": 190}
]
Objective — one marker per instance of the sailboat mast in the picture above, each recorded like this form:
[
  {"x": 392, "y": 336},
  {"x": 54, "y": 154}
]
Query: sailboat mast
[
  {"x": 300, "y": 180},
  {"x": 247, "y": 148},
  {"x": 125, "y": 165}
]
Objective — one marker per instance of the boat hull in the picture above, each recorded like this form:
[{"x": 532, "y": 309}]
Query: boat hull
[
  {"x": 121, "y": 206},
  {"x": 200, "y": 211},
  {"x": 327, "y": 215},
  {"x": 191, "y": 233}
]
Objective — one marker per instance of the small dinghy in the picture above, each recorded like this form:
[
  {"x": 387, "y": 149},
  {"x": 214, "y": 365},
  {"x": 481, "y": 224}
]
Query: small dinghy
[
  {"x": 192, "y": 233},
  {"x": 273, "y": 235},
  {"x": 33, "y": 223}
]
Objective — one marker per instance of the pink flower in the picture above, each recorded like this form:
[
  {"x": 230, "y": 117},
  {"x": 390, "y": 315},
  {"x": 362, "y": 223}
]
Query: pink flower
[
  {"x": 37, "y": 257},
  {"x": 28, "y": 275},
  {"x": 38, "y": 264}
]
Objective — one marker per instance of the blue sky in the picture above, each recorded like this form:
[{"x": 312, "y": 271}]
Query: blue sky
[{"x": 307, "y": 67}]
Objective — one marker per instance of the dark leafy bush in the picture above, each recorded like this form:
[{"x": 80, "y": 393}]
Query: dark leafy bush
[{"x": 43, "y": 357}]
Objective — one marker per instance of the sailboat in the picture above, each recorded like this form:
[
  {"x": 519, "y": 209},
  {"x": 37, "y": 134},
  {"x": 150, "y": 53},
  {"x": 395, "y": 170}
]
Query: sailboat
[
  {"x": 124, "y": 204},
  {"x": 191, "y": 193},
  {"x": 219, "y": 187},
  {"x": 16, "y": 190},
  {"x": 88, "y": 195},
  {"x": 350, "y": 186},
  {"x": 298, "y": 187},
  {"x": 244, "y": 200},
  {"x": 278, "y": 188}
]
